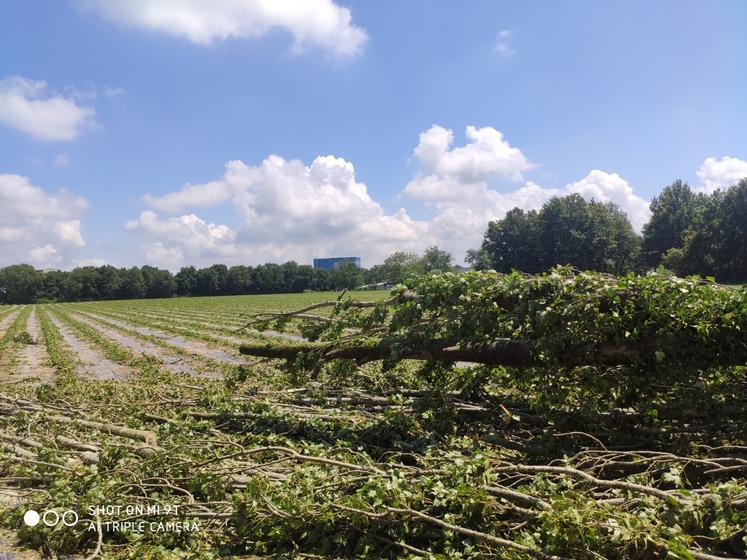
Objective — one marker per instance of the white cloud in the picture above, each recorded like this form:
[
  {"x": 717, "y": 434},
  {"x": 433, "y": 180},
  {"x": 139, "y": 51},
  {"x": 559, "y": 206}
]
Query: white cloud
[
  {"x": 286, "y": 210},
  {"x": 610, "y": 187},
  {"x": 27, "y": 106},
  {"x": 69, "y": 231},
  {"x": 721, "y": 173},
  {"x": 202, "y": 195},
  {"x": 463, "y": 210},
  {"x": 91, "y": 91},
  {"x": 19, "y": 199},
  {"x": 317, "y": 23},
  {"x": 45, "y": 256},
  {"x": 36, "y": 224},
  {"x": 10, "y": 233},
  {"x": 79, "y": 263},
  {"x": 172, "y": 239},
  {"x": 188, "y": 230},
  {"x": 168, "y": 257},
  {"x": 487, "y": 156},
  {"x": 502, "y": 44},
  {"x": 457, "y": 184}
]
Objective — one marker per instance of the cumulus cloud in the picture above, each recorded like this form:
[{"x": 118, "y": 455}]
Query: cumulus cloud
[
  {"x": 721, "y": 173},
  {"x": 185, "y": 233},
  {"x": 69, "y": 231},
  {"x": 459, "y": 184},
  {"x": 462, "y": 211},
  {"x": 285, "y": 210},
  {"x": 312, "y": 23},
  {"x": 202, "y": 195},
  {"x": 486, "y": 156},
  {"x": 37, "y": 225},
  {"x": 172, "y": 240},
  {"x": 45, "y": 256},
  {"x": 28, "y": 106}
]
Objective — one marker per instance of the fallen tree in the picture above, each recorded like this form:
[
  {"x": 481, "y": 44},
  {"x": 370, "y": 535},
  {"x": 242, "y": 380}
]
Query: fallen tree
[
  {"x": 652, "y": 328},
  {"x": 506, "y": 352},
  {"x": 562, "y": 318}
]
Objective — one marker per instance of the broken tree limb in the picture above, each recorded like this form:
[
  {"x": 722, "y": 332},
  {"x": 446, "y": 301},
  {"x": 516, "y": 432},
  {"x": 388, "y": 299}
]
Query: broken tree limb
[
  {"x": 506, "y": 352},
  {"x": 303, "y": 312},
  {"x": 143, "y": 435}
]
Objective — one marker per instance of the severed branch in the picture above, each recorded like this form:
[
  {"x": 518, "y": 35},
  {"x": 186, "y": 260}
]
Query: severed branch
[
  {"x": 506, "y": 352},
  {"x": 303, "y": 313}
]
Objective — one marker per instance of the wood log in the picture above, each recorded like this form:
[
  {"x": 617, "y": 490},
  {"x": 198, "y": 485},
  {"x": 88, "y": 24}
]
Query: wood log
[{"x": 502, "y": 352}]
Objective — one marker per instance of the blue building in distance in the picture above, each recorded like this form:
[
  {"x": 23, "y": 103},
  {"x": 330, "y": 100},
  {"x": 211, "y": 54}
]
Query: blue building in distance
[{"x": 333, "y": 262}]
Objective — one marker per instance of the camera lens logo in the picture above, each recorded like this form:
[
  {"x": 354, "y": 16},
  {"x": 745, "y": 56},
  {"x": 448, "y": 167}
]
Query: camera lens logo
[{"x": 50, "y": 518}]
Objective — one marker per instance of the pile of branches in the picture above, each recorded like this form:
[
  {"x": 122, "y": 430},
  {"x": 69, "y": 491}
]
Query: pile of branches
[
  {"x": 633, "y": 331},
  {"x": 349, "y": 472}
]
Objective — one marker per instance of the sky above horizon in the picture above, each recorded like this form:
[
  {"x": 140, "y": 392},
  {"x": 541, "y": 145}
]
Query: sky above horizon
[{"x": 170, "y": 133}]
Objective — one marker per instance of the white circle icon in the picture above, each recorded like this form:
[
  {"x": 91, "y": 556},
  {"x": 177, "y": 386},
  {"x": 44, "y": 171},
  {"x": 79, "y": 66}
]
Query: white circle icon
[
  {"x": 70, "y": 518},
  {"x": 31, "y": 518},
  {"x": 48, "y": 518}
]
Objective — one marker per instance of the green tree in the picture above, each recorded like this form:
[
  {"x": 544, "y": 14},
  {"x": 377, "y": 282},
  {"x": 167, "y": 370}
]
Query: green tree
[
  {"x": 434, "y": 259},
  {"x": 566, "y": 230},
  {"x": 374, "y": 275},
  {"x": 716, "y": 244},
  {"x": 159, "y": 283},
  {"x": 133, "y": 284},
  {"x": 512, "y": 243},
  {"x": 83, "y": 284},
  {"x": 672, "y": 213},
  {"x": 346, "y": 276},
  {"x": 296, "y": 278},
  {"x": 239, "y": 280},
  {"x": 211, "y": 280},
  {"x": 186, "y": 281},
  {"x": 19, "y": 283},
  {"x": 53, "y": 286},
  {"x": 479, "y": 259},
  {"x": 108, "y": 282},
  {"x": 400, "y": 265},
  {"x": 268, "y": 279},
  {"x": 321, "y": 280},
  {"x": 588, "y": 235}
]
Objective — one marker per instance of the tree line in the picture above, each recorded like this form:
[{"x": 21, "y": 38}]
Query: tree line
[
  {"x": 688, "y": 233},
  {"x": 22, "y": 283}
]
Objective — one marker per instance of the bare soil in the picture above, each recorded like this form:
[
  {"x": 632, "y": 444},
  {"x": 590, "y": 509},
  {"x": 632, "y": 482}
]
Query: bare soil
[
  {"x": 90, "y": 363},
  {"x": 170, "y": 360},
  {"x": 188, "y": 345},
  {"x": 8, "y": 321},
  {"x": 33, "y": 361}
]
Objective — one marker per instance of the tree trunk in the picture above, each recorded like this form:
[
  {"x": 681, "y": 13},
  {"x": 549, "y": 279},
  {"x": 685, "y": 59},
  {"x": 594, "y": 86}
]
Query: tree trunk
[{"x": 505, "y": 352}]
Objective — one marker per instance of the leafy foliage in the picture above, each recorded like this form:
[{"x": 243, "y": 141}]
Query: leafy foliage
[
  {"x": 402, "y": 461},
  {"x": 673, "y": 328}
]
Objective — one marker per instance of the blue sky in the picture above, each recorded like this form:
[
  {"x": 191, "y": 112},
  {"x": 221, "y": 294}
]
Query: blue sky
[{"x": 115, "y": 100}]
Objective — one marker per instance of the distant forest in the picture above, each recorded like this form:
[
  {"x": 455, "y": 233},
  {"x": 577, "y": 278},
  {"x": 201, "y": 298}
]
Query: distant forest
[{"x": 688, "y": 233}]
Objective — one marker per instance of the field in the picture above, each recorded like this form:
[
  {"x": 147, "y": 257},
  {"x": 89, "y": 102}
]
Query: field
[{"x": 145, "y": 420}]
